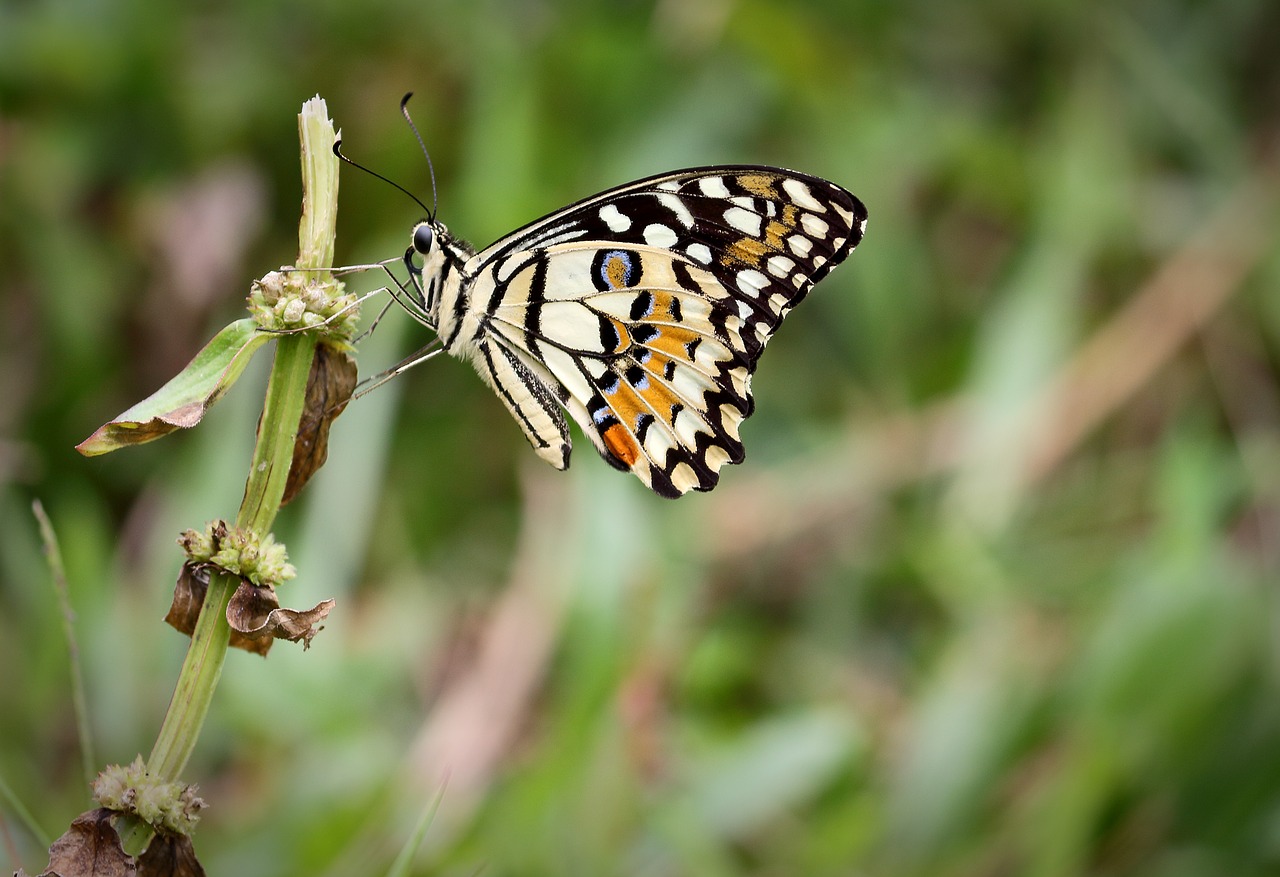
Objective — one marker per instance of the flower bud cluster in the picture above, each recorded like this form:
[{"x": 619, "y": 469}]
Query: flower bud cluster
[
  {"x": 242, "y": 553},
  {"x": 174, "y": 807},
  {"x": 290, "y": 300}
]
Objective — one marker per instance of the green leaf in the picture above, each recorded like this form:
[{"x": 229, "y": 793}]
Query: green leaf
[{"x": 182, "y": 402}]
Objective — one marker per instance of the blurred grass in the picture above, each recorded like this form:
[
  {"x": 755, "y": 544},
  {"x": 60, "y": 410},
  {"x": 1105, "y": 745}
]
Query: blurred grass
[{"x": 981, "y": 600}]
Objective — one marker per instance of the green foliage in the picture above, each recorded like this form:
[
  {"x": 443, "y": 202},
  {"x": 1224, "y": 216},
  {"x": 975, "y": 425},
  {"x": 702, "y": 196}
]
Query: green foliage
[{"x": 992, "y": 593}]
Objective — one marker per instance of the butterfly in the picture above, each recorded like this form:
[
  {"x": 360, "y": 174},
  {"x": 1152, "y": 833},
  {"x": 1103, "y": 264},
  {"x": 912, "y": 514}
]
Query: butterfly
[{"x": 641, "y": 311}]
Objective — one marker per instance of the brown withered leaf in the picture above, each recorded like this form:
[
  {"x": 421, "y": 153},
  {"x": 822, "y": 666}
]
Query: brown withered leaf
[
  {"x": 188, "y": 597},
  {"x": 255, "y": 614},
  {"x": 90, "y": 848},
  {"x": 169, "y": 855},
  {"x": 329, "y": 388}
]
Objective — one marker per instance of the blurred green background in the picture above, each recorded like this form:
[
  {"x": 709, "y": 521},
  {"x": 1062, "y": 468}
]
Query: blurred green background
[{"x": 994, "y": 592}]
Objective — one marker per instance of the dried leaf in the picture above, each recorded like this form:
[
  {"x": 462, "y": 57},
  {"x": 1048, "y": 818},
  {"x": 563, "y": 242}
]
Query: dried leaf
[
  {"x": 188, "y": 597},
  {"x": 255, "y": 614},
  {"x": 90, "y": 848},
  {"x": 329, "y": 387},
  {"x": 169, "y": 855},
  {"x": 182, "y": 402}
]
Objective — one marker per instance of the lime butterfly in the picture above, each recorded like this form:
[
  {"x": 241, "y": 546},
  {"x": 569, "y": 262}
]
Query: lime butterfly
[{"x": 641, "y": 311}]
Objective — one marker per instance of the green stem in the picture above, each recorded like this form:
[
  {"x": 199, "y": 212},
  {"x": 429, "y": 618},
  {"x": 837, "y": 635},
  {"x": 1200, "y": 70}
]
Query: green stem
[
  {"x": 286, "y": 393},
  {"x": 196, "y": 682},
  {"x": 277, "y": 432}
]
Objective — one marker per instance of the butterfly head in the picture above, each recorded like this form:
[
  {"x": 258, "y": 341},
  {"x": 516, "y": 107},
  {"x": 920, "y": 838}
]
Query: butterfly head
[
  {"x": 434, "y": 261},
  {"x": 434, "y": 247},
  {"x": 424, "y": 238}
]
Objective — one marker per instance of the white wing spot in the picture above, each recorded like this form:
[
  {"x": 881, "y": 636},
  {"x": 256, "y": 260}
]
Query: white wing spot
[
  {"x": 614, "y": 218},
  {"x": 687, "y": 426},
  {"x": 814, "y": 226},
  {"x": 669, "y": 186},
  {"x": 676, "y": 205},
  {"x": 801, "y": 195},
  {"x": 751, "y": 281},
  {"x": 658, "y": 235},
  {"x": 800, "y": 245},
  {"x": 780, "y": 266},
  {"x": 699, "y": 253},
  {"x": 713, "y": 187},
  {"x": 744, "y": 221}
]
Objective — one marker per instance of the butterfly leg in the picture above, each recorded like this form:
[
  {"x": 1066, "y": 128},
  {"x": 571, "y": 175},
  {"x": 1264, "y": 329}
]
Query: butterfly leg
[
  {"x": 376, "y": 320},
  {"x": 370, "y": 384},
  {"x": 343, "y": 270},
  {"x": 395, "y": 299}
]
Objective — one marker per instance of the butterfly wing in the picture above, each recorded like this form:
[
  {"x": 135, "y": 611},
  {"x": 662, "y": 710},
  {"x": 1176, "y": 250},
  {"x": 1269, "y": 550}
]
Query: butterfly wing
[{"x": 644, "y": 310}]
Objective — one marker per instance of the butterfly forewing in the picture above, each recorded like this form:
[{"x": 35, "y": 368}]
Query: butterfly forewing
[{"x": 644, "y": 310}]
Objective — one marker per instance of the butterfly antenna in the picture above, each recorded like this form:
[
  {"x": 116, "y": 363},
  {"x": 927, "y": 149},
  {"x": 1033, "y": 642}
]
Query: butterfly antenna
[
  {"x": 337, "y": 150},
  {"x": 404, "y": 110}
]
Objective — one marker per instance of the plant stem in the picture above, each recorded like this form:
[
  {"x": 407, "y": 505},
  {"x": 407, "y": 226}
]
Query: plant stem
[{"x": 272, "y": 456}]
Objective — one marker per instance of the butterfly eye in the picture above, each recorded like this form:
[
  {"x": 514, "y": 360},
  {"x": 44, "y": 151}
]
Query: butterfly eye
[{"x": 423, "y": 238}]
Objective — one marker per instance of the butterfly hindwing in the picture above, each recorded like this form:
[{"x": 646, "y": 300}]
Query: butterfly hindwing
[
  {"x": 654, "y": 372},
  {"x": 644, "y": 310}
]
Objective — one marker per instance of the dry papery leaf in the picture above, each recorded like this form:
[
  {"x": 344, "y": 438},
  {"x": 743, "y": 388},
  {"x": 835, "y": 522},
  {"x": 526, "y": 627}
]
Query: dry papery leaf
[
  {"x": 329, "y": 387},
  {"x": 91, "y": 848},
  {"x": 169, "y": 855},
  {"x": 254, "y": 613}
]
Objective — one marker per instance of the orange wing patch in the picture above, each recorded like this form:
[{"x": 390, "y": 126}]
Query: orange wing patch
[
  {"x": 661, "y": 399},
  {"x": 757, "y": 184},
  {"x": 621, "y": 444},
  {"x": 621, "y": 339},
  {"x": 750, "y": 251},
  {"x": 626, "y": 404},
  {"x": 631, "y": 405},
  {"x": 666, "y": 308},
  {"x": 674, "y": 341},
  {"x": 616, "y": 270}
]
